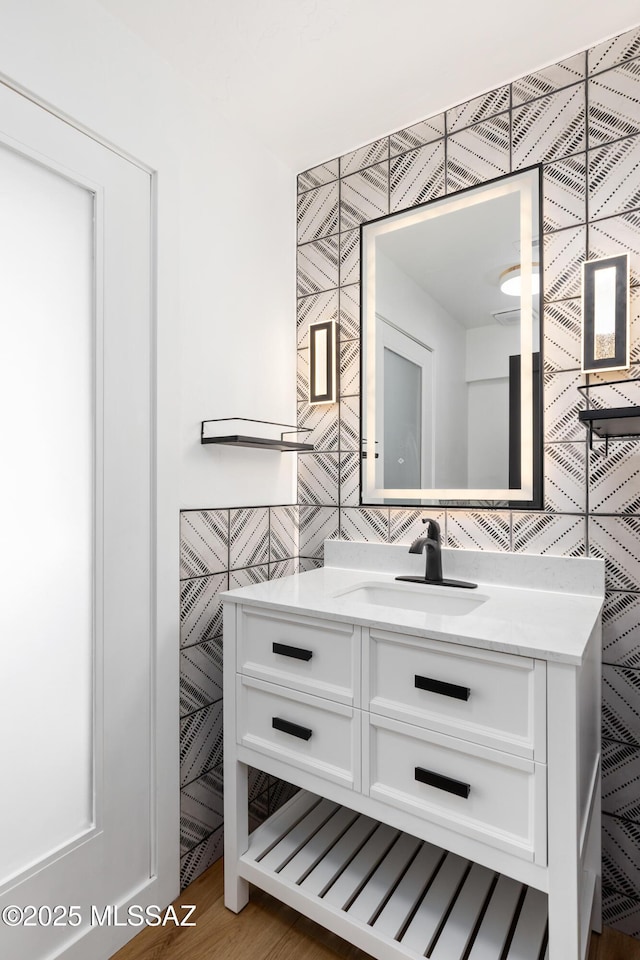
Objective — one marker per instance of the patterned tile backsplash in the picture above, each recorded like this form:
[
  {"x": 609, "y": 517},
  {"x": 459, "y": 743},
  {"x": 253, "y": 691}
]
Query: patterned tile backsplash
[{"x": 580, "y": 118}]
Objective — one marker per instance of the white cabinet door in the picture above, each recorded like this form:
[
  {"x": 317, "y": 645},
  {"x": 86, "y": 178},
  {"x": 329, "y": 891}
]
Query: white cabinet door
[{"x": 79, "y": 795}]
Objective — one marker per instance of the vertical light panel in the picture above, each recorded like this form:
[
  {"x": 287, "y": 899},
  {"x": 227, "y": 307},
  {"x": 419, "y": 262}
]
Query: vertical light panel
[
  {"x": 323, "y": 366},
  {"x": 605, "y": 314},
  {"x": 46, "y": 503}
]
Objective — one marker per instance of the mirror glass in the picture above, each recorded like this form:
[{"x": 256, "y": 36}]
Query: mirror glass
[{"x": 451, "y": 349}]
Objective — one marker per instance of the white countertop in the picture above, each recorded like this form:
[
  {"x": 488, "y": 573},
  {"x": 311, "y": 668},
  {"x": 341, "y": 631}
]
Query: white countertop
[{"x": 548, "y": 623}]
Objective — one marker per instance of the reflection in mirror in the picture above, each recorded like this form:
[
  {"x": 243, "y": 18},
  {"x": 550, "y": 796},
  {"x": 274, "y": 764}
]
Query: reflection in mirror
[{"x": 451, "y": 341}]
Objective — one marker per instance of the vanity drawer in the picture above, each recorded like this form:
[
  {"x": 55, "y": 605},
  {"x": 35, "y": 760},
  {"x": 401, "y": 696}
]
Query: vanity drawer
[
  {"x": 321, "y": 657},
  {"x": 489, "y": 698},
  {"x": 317, "y": 735},
  {"x": 482, "y": 793}
]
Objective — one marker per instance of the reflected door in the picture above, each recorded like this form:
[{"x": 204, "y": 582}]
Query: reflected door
[{"x": 76, "y": 651}]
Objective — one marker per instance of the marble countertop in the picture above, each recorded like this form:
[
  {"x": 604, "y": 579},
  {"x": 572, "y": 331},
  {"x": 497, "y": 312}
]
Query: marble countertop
[{"x": 551, "y": 618}]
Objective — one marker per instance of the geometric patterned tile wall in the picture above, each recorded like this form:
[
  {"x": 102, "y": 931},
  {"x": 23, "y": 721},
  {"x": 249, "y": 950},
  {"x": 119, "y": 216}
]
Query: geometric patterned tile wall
[
  {"x": 219, "y": 549},
  {"x": 581, "y": 120}
]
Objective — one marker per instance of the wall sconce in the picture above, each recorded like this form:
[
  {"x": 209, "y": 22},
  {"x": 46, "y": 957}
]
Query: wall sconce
[
  {"x": 323, "y": 362},
  {"x": 605, "y": 314}
]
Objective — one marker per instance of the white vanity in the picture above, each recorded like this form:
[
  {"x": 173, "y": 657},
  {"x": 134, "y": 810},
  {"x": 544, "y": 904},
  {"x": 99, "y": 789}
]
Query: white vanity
[{"x": 447, "y": 743}]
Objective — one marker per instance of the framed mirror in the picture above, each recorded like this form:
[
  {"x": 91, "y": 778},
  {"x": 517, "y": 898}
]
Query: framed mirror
[{"x": 451, "y": 333}]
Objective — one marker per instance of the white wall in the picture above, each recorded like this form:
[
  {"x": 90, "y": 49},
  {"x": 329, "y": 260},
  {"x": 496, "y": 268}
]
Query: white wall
[
  {"x": 226, "y": 235},
  {"x": 400, "y": 300}
]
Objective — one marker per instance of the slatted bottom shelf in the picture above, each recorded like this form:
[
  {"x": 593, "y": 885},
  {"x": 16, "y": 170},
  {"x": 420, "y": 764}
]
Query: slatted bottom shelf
[{"x": 391, "y": 894}]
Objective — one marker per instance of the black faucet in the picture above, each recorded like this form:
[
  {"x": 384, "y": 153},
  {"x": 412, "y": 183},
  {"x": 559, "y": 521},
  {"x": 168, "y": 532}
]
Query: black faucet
[{"x": 431, "y": 544}]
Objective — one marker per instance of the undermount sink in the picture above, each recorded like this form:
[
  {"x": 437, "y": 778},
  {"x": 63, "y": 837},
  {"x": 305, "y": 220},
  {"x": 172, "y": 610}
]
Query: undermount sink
[{"x": 425, "y": 598}]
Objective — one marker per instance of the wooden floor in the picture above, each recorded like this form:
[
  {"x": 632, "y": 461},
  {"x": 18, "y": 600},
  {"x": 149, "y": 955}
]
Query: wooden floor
[{"x": 268, "y": 930}]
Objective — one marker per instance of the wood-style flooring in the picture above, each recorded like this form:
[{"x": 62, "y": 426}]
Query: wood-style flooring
[{"x": 268, "y": 930}]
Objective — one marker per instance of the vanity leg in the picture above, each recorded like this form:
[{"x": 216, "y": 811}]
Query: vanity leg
[{"x": 236, "y": 794}]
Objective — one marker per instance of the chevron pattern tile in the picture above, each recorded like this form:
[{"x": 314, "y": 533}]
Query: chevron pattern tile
[
  {"x": 201, "y": 608},
  {"x": 364, "y": 157},
  {"x": 349, "y": 368},
  {"x": 564, "y": 193},
  {"x": 478, "y": 109},
  {"x": 318, "y": 478},
  {"x": 614, "y": 178},
  {"x": 616, "y": 389},
  {"x": 349, "y": 257},
  {"x": 620, "y": 912},
  {"x": 317, "y": 266},
  {"x": 611, "y": 52},
  {"x": 546, "y": 81},
  {"x": 549, "y": 534},
  {"x": 308, "y": 563},
  {"x": 608, "y": 237},
  {"x": 349, "y": 479},
  {"x": 478, "y": 153},
  {"x": 406, "y": 525},
  {"x": 248, "y": 537},
  {"x": 283, "y": 533},
  {"x": 200, "y": 676},
  {"x": 201, "y": 810},
  {"x": 479, "y": 531},
  {"x": 620, "y": 704},
  {"x": 621, "y": 856},
  {"x": 318, "y": 213},
  {"x": 201, "y": 857},
  {"x": 302, "y": 375},
  {"x": 562, "y": 335},
  {"x": 249, "y": 576},
  {"x": 323, "y": 306},
  {"x": 565, "y": 476},
  {"x": 350, "y": 423},
  {"x": 564, "y": 253},
  {"x": 614, "y": 104},
  {"x": 561, "y": 405},
  {"x": 317, "y": 524},
  {"x": 364, "y": 196},
  {"x": 614, "y": 478},
  {"x": 283, "y": 568},
  {"x": 322, "y": 420},
  {"x": 200, "y": 742},
  {"x": 204, "y": 542},
  {"x": 319, "y": 176},
  {"x": 621, "y": 780},
  {"x": 417, "y": 135},
  {"x": 616, "y": 540},
  {"x": 550, "y": 128},
  {"x": 417, "y": 176},
  {"x": 621, "y": 630},
  {"x": 350, "y": 312},
  {"x": 365, "y": 524}
]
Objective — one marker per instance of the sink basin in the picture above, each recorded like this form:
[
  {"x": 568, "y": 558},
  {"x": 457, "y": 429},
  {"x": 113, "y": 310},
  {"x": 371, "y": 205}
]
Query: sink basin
[{"x": 427, "y": 599}]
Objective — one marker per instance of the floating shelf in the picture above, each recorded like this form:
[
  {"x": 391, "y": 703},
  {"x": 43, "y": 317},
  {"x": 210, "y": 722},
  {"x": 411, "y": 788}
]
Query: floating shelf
[
  {"x": 217, "y": 431},
  {"x": 393, "y": 895},
  {"x": 610, "y": 423}
]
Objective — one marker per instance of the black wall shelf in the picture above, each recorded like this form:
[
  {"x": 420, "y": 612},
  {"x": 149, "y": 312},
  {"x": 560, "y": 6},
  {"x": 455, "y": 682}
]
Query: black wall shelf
[
  {"x": 213, "y": 431},
  {"x": 611, "y": 423}
]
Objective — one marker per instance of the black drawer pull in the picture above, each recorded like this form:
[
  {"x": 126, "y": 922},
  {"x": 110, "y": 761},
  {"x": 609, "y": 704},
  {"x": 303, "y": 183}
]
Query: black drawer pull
[
  {"x": 303, "y": 733},
  {"x": 446, "y": 689},
  {"x": 442, "y": 783},
  {"x": 296, "y": 652}
]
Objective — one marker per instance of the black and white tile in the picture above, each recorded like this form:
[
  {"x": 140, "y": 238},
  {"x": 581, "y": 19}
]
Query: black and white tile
[
  {"x": 621, "y": 855},
  {"x": 283, "y": 539},
  {"x": 319, "y": 176},
  {"x": 562, "y": 402},
  {"x": 200, "y": 676},
  {"x": 248, "y": 576},
  {"x": 201, "y": 608},
  {"x": 479, "y": 531},
  {"x": 564, "y": 193},
  {"x": 426, "y": 131},
  {"x": 550, "y": 128},
  {"x": 616, "y": 540},
  {"x": 349, "y": 257},
  {"x": 609, "y": 53},
  {"x": 302, "y": 375},
  {"x": 248, "y": 537},
  {"x": 350, "y": 423},
  {"x": 614, "y": 103},
  {"x": 621, "y": 780},
  {"x": 201, "y": 810},
  {"x": 316, "y": 309},
  {"x": 478, "y": 109},
  {"x": 318, "y": 213},
  {"x": 417, "y": 176},
  {"x": 368, "y": 524},
  {"x": 621, "y": 912},
  {"x": 283, "y": 568},
  {"x": 201, "y": 857},
  {"x": 406, "y": 525},
  {"x": 349, "y": 368},
  {"x": 350, "y": 312},
  {"x": 318, "y": 478},
  {"x": 364, "y": 196},
  {"x": 564, "y": 253},
  {"x": 318, "y": 266},
  {"x": 349, "y": 479},
  {"x": 614, "y": 478},
  {"x": 565, "y": 475},
  {"x": 365, "y": 156},
  {"x": 552, "y": 534},
  {"x": 621, "y": 630},
  {"x": 478, "y": 153},
  {"x": 621, "y": 704},
  {"x": 200, "y": 742},
  {"x": 322, "y": 421},
  {"x": 317, "y": 524},
  {"x": 617, "y": 235},
  {"x": 562, "y": 335},
  {"x": 551, "y": 78},
  {"x": 614, "y": 178},
  {"x": 204, "y": 542}
]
